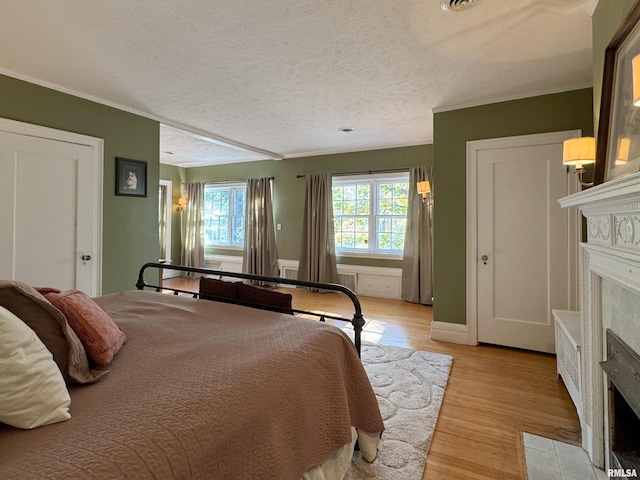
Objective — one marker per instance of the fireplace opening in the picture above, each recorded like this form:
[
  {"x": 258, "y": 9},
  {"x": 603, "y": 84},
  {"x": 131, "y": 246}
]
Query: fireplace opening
[{"x": 623, "y": 371}]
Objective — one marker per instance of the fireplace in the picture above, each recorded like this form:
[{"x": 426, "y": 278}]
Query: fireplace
[
  {"x": 609, "y": 278},
  {"x": 623, "y": 374}
]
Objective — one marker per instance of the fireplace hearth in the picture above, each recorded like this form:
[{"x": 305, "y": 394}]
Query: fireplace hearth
[{"x": 623, "y": 373}]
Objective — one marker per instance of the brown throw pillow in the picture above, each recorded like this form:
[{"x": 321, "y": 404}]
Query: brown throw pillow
[
  {"x": 272, "y": 300},
  {"x": 99, "y": 335},
  {"x": 212, "y": 289},
  {"x": 52, "y": 329}
]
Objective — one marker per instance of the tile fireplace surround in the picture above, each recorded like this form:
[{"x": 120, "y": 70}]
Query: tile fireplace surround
[{"x": 609, "y": 279}]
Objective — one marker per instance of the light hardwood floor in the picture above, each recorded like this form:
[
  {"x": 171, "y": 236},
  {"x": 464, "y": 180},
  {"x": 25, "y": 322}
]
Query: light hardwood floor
[{"x": 493, "y": 393}]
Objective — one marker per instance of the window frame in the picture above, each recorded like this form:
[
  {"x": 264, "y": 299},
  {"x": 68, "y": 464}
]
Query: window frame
[
  {"x": 373, "y": 180},
  {"x": 231, "y": 187}
]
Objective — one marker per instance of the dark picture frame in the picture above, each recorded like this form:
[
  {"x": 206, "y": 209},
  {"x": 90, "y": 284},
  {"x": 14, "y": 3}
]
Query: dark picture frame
[
  {"x": 131, "y": 177},
  {"x": 619, "y": 124}
]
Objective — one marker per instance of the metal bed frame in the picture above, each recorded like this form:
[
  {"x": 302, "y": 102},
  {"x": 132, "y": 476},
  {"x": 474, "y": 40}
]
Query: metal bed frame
[{"x": 357, "y": 321}]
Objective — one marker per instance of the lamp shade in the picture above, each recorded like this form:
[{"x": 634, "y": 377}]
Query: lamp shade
[
  {"x": 635, "y": 67},
  {"x": 576, "y": 151},
  {"x": 182, "y": 202},
  {"x": 424, "y": 188}
]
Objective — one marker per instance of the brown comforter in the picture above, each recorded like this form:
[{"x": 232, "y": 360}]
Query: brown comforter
[{"x": 203, "y": 390}]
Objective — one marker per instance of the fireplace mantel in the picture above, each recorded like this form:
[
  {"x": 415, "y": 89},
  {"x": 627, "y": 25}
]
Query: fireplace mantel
[{"x": 609, "y": 271}]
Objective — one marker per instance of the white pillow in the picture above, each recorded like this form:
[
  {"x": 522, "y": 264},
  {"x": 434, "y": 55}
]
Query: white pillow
[{"x": 32, "y": 390}]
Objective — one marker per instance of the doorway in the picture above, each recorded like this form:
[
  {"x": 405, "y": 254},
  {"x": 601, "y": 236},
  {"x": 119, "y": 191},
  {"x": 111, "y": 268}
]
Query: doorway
[
  {"x": 521, "y": 246},
  {"x": 164, "y": 221}
]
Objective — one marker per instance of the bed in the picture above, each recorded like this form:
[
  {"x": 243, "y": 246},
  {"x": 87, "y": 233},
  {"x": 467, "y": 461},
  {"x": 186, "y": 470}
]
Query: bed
[{"x": 211, "y": 390}]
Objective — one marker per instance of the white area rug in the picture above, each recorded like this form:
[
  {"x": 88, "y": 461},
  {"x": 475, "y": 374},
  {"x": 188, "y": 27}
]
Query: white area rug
[{"x": 409, "y": 385}]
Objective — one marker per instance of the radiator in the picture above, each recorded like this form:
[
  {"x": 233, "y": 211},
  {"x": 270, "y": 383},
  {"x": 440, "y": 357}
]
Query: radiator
[{"x": 348, "y": 280}]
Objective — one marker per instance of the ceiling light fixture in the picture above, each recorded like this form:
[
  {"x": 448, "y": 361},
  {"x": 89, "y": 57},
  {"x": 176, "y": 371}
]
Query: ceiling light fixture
[
  {"x": 457, "y": 5},
  {"x": 347, "y": 129}
]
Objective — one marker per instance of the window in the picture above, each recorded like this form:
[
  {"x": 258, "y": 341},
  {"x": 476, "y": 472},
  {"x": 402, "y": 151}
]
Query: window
[
  {"x": 224, "y": 205},
  {"x": 370, "y": 213}
]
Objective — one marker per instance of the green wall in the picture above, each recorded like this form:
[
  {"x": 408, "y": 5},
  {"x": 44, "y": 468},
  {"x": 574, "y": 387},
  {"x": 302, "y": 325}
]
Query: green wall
[
  {"x": 130, "y": 224},
  {"x": 452, "y": 130},
  {"x": 288, "y": 191}
]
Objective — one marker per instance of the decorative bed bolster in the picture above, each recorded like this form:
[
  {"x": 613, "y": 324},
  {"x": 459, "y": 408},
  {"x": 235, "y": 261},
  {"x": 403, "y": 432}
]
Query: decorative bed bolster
[
  {"x": 272, "y": 300},
  {"x": 238, "y": 292},
  {"x": 212, "y": 289}
]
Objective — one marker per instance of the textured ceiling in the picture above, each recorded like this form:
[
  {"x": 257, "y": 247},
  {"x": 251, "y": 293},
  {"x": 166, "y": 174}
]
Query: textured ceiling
[{"x": 279, "y": 78}]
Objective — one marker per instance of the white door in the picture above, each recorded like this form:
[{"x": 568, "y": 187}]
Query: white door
[
  {"x": 524, "y": 258},
  {"x": 50, "y": 212}
]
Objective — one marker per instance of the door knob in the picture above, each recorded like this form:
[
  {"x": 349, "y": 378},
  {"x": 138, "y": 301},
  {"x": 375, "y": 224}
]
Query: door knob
[
  {"x": 85, "y": 258},
  {"x": 484, "y": 259}
]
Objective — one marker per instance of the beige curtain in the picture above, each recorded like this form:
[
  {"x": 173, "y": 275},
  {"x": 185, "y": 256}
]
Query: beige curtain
[
  {"x": 417, "y": 261},
  {"x": 260, "y": 256},
  {"x": 193, "y": 226},
  {"x": 162, "y": 221},
  {"x": 317, "y": 249}
]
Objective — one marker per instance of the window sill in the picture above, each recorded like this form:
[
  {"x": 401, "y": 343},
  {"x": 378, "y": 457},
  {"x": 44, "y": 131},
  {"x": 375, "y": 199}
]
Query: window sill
[
  {"x": 224, "y": 247},
  {"x": 375, "y": 256}
]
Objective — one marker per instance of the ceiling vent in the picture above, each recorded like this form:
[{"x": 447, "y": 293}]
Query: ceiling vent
[{"x": 457, "y": 5}]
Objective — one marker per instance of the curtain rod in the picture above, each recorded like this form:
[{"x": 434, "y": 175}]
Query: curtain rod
[
  {"x": 370, "y": 172},
  {"x": 234, "y": 181}
]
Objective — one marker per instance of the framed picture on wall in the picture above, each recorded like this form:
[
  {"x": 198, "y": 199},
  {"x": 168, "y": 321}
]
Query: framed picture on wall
[
  {"x": 131, "y": 177},
  {"x": 618, "y": 145}
]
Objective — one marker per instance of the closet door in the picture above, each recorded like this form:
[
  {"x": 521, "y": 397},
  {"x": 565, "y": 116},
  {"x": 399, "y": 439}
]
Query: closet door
[
  {"x": 50, "y": 212},
  {"x": 524, "y": 257}
]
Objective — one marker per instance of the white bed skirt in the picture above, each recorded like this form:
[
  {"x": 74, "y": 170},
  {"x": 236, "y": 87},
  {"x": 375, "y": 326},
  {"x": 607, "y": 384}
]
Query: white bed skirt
[{"x": 337, "y": 464}]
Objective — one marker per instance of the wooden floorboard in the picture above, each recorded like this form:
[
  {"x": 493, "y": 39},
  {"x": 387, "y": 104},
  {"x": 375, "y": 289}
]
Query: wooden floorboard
[{"x": 493, "y": 393}]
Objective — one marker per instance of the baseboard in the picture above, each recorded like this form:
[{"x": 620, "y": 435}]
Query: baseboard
[
  {"x": 449, "y": 332},
  {"x": 170, "y": 274}
]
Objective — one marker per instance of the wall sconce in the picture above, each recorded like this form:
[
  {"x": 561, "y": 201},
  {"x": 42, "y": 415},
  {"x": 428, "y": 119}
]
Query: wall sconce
[
  {"x": 182, "y": 203},
  {"x": 579, "y": 151},
  {"x": 424, "y": 189}
]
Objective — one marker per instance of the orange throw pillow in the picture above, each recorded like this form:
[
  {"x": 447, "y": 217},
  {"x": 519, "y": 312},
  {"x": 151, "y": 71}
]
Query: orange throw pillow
[{"x": 99, "y": 334}]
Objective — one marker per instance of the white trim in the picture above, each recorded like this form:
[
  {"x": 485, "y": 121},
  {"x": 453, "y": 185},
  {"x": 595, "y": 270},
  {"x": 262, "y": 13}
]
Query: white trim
[
  {"x": 97, "y": 146},
  {"x": 168, "y": 222},
  {"x": 450, "y": 332},
  {"x": 592, "y": 7},
  {"x": 603, "y": 196},
  {"x": 473, "y": 147},
  {"x": 284, "y": 263}
]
